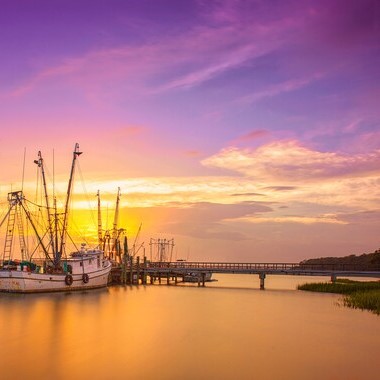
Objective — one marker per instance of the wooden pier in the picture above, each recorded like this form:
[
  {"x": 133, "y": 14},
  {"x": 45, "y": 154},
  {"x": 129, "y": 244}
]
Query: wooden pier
[{"x": 135, "y": 271}]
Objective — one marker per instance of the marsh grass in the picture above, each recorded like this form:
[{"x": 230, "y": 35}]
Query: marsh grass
[
  {"x": 367, "y": 300},
  {"x": 358, "y": 295}
]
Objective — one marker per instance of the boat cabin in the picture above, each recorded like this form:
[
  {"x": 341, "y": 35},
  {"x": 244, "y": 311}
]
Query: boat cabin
[{"x": 85, "y": 261}]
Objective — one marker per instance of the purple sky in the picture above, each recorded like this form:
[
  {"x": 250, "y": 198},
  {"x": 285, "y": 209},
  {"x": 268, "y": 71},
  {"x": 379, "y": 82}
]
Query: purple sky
[{"x": 246, "y": 130}]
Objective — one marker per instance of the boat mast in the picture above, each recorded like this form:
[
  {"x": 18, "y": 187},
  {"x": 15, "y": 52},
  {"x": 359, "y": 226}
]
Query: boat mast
[
  {"x": 58, "y": 255},
  {"x": 115, "y": 222},
  {"x": 40, "y": 164},
  {"x": 55, "y": 223},
  {"x": 100, "y": 237}
]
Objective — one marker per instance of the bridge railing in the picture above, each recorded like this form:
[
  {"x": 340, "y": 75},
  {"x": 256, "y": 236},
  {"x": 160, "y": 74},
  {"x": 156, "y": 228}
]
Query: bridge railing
[
  {"x": 260, "y": 266},
  {"x": 218, "y": 266}
]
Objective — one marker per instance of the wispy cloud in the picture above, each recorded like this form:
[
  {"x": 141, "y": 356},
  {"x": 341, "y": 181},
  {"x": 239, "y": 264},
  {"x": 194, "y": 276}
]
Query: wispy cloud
[
  {"x": 327, "y": 219},
  {"x": 279, "y": 88},
  {"x": 183, "y": 61},
  {"x": 281, "y": 188}
]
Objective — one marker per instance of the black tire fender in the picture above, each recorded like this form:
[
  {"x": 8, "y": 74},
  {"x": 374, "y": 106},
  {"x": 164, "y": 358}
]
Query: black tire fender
[{"x": 68, "y": 279}]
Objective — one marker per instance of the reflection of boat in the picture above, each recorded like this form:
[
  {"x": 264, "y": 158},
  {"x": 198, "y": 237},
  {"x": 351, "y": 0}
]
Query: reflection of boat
[{"x": 83, "y": 269}]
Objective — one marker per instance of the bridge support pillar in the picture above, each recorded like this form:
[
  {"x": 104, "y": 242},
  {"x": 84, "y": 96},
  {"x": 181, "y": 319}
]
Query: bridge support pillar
[{"x": 262, "y": 280}]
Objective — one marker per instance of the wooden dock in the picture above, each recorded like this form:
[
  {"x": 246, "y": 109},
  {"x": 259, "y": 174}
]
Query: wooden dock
[{"x": 136, "y": 271}]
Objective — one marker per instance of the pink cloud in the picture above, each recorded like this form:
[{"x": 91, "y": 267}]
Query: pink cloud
[
  {"x": 193, "y": 153},
  {"x": 253, "y": 135},
  {"x": 290, "y": 161},
  {"x": 131, "y": 130}
]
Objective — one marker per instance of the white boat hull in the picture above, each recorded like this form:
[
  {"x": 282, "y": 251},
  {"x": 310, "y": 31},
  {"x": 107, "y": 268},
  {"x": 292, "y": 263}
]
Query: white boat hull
[{"x": 16, "y": 281}]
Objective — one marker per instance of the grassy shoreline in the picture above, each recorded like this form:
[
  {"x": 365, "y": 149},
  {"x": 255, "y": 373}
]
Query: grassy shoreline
[{"x": 357, "y": 294}]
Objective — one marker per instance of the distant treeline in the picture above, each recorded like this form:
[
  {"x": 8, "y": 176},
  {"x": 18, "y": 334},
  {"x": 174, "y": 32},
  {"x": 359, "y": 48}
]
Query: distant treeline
[{"x": 366, "y": 261}]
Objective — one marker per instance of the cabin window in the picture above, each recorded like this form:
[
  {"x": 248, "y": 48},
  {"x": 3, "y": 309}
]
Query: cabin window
[
  {"x": 81, "y": 263},
  {"x": 98, "y": 262}
]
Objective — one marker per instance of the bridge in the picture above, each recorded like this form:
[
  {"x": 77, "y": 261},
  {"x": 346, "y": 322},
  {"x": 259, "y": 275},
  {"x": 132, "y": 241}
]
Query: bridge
[{"x": 132, "y": 272}]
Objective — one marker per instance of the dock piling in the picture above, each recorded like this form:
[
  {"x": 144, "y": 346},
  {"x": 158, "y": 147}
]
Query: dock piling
[
  {"x": 144, "y": 276},
  {"x": 131, "y": 270},
  {"x": 262, "y": 280},
  {"x": 137, "y": 270}
]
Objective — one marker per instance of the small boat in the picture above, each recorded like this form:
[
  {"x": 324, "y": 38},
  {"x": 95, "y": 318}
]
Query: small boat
[
  {"x": 56, "y": 272},
  {"x": 196, "y": 277}
]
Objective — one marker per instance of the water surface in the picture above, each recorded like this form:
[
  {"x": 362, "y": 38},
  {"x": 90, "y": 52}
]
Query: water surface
[{"x": 228, "y": 330}]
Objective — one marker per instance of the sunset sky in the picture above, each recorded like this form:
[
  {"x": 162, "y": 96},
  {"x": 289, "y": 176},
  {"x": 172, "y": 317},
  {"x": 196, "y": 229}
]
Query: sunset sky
[{"x": 245, "y": 130}]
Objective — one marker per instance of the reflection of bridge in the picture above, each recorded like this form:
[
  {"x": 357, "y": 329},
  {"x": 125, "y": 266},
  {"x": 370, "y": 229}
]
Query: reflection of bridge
[{"x": 201, "y": 270}]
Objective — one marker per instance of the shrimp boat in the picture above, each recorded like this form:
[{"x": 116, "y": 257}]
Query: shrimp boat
[{"x": 55, "y": 271}]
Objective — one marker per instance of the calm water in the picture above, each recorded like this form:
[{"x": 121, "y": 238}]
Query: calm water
[{"x": 228, "y": 330}]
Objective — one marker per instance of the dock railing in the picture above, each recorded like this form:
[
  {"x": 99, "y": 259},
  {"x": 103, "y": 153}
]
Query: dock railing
[{"x": 242, "y": 267}]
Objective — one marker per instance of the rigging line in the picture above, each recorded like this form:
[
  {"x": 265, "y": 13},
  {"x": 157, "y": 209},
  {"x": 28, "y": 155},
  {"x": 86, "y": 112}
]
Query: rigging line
[
  {"x": 34, "y": 204},
  {"x": 38, "y": 223},
  {"x": 3, "y": 212},
  {"x": 70, "y": 238},
  {"x": 75, "y": 228},
  {"x": 72, "y": 241},
  {"x": 76, "y": 153},
  {"x": 53, "y": 175},
  {"x": 23, "y": 171},
  {"x": 27, "y": 213},
  {"x": 86, "y": 194},
  {"x": 5, "y": 217},
  {"x": 37, "y": 183},
  {"x": 40, "y": 245},
  {"x": 27, "y": 236}
]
